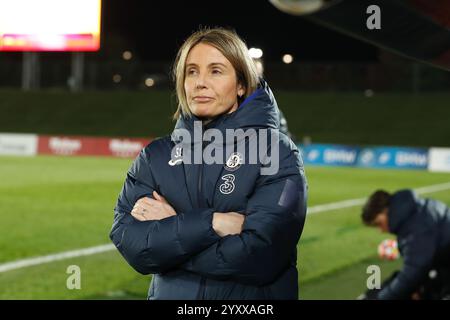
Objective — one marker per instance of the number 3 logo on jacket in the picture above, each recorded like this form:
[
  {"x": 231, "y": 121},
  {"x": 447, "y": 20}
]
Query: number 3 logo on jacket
[{"x": 228, "y": 186}]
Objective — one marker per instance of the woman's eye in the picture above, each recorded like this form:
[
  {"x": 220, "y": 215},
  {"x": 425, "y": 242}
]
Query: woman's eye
[
  {"x": 217, "y": 71},
  {"x": 191, "y": 71}
]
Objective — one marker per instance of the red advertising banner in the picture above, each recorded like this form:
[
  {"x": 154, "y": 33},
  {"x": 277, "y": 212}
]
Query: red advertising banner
[{"x": 91, "y": 146}]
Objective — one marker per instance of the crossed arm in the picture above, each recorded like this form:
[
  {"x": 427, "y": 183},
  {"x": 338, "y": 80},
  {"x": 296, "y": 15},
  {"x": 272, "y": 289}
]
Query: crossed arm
[{"x": 157, "y": 208}]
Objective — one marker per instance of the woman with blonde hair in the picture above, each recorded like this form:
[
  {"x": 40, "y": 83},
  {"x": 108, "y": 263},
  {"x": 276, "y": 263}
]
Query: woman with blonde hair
[{"x": 210, "y": 222}]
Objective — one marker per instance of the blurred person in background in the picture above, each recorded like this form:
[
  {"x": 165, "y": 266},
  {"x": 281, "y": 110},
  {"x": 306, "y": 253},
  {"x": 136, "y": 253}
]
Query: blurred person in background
[
  {"x": 214, "y": 231},
  {"x": 422, "y": 227},
  {"x": 283, "y": 122}
]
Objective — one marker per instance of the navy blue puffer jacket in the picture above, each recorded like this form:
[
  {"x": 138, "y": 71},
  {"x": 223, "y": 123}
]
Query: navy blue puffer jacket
[
  {"x": 187, "y": 258},
  {"x": 422, "y": 227}
]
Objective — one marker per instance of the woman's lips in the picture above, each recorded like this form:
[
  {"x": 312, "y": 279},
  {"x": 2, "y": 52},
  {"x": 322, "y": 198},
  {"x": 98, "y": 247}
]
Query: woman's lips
[{"x": 203, "y": 99}]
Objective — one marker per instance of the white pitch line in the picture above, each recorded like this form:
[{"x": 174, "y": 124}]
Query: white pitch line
[
  {"x": 361, "y": 201},
  {"x": 336, "y": 205},
  {"x": 54, "y": 257},
  {"x": 433, "y": 188},
  {"x": 18, "y": 264}
]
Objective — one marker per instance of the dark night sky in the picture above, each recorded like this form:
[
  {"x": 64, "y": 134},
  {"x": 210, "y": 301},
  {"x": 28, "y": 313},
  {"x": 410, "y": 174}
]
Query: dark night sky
[{"x": 155, "y": 29}]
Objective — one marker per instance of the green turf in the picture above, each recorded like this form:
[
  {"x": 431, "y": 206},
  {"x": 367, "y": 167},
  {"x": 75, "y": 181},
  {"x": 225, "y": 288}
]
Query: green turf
[
  {"x": 347, "y": 283},
  {"x": 333, "y": 117},
  {"x": 52, "y": 204}
]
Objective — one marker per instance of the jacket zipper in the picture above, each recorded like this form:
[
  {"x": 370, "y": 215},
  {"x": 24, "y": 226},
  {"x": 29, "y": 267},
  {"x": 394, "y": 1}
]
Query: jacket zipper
[{"x": 201, "y": 290}]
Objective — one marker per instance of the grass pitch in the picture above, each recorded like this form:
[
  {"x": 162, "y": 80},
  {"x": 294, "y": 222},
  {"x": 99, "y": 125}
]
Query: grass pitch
[{"x": 53, "y": 204}]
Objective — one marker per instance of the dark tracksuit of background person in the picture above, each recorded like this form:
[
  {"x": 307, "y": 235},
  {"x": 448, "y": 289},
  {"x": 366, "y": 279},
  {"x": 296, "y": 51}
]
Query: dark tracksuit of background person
[{"x": 422, "y": 227}]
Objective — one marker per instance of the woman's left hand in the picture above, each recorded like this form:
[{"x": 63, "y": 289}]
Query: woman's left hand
[
  {"x": 229, "y": 223},
  {"x": 152, "y": 209}
]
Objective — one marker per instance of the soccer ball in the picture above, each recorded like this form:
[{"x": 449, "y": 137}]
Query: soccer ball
[
  {"x": 301, "y": 7},
  {"x": 388, "y": 250}
]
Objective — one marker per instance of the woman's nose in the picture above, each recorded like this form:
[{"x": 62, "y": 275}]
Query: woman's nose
[{"x": 200, "y": 81}]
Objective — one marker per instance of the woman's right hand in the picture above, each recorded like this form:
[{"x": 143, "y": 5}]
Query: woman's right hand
[
  {"x": 152, "y": 209},
  {"x": 228, "y": 223}
]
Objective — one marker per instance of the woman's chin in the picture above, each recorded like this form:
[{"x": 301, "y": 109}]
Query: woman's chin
[{"x": 203, "y": 113}]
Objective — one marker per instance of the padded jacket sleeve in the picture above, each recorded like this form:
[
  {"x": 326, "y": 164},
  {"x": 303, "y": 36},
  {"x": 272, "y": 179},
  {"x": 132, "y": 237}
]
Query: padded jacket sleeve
[
  {"x": 418, "y": 251},
  {"x": 156, "y": 246},
  {"x": 275, "y": 215}
]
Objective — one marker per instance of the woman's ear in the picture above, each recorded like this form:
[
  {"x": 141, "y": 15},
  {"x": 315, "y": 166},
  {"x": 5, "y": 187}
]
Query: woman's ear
[{"x": 241, "y": 91}]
